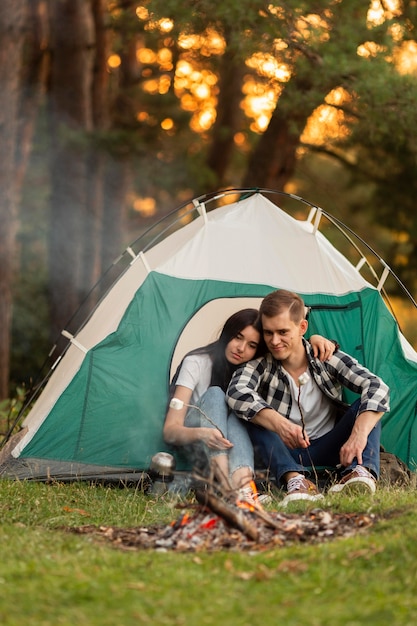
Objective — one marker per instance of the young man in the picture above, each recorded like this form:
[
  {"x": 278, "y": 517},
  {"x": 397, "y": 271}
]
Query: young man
[{"x": 292, "y": 402}]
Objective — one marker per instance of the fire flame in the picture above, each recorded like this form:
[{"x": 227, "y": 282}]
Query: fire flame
[{"x": 245, "y": 504}]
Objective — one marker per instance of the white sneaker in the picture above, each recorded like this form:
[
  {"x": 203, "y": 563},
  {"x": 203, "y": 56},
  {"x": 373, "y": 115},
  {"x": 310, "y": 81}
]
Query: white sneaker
[
  {"x": 359, "y": 478},
  {"x": 300, "y": 488}
]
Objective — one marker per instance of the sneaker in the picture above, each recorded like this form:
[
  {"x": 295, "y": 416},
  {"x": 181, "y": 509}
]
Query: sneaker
[
  {"x": 359, "y": 479},
  {"x": 299, "y": 488},
  {"x": 249, "y": 495}
]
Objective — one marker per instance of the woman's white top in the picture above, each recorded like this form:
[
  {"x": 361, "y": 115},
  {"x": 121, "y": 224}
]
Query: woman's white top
[{"x": 195, "y": 374}]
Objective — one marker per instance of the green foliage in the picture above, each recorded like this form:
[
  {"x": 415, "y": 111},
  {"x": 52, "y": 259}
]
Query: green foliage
[
  {"x": 383, "y": 148},
  {"x": 49, "y": 576},
  {"x": 10, "y": 409},
  {"x": 237, "y": 19},
  {"x": 30, "y": 333},
  {"x": 390, "y": 98}
]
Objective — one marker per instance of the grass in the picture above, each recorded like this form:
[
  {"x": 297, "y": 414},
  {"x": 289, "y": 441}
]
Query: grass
[{"x": 49, "y": 576}]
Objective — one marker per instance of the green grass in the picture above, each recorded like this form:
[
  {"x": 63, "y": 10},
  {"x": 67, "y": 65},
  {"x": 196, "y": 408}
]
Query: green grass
[{"x": 49, "y": 576}]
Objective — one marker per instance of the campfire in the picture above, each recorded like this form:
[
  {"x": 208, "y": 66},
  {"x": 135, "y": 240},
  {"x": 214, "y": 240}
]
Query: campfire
[{"x": 213, "y": 523}]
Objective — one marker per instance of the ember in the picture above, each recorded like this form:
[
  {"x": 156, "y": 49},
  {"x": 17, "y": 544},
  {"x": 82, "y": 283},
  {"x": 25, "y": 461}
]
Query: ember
[{"x": 216, "y": 525}]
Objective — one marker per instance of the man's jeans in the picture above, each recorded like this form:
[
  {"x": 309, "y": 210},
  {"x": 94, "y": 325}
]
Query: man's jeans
[{"x": 322, "y": 452}]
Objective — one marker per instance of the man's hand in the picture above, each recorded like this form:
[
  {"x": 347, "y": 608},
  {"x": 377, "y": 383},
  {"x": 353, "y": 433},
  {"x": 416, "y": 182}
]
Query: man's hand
[
  {"x": 358, "y": 439},
  {"x": 291, "y": 434},
  {"x": 353, "y": 448}
]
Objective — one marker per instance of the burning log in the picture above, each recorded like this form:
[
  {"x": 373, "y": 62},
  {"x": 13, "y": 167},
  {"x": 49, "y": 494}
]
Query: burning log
[{"x": 234, "y": 515}]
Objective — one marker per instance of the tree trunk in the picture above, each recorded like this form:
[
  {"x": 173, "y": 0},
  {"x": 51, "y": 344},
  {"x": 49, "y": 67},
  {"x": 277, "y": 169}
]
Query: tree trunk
[
  {"x": 98, "y": 158},
  {"x": 118, "y": 167},
  {"x": 72, "y": 37},
  {"x": 117, "y": 185},
  {"x": 272, "y": 162},
  {"x": 228, "y": 116},
  {"x": 12, "y": 17},
  {"x": 34, "y": 76}
]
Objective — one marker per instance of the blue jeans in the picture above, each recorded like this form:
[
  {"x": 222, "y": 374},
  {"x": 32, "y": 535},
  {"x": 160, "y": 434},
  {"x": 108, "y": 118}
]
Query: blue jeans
[
  {"x": 213, "y": 404},
  {"x": 323, "y": 451}
]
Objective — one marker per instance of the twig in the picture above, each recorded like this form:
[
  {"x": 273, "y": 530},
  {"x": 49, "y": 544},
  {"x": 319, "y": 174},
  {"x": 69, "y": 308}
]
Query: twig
[
  {"x": 304, "y": 431},
  {"x": 194, "y": 406}
]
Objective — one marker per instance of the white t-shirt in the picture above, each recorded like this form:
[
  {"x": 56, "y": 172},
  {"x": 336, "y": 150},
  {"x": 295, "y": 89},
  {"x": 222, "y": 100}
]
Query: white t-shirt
[
  {"x": 195, "y": 374},
  {"x": 317, "y": 409}
]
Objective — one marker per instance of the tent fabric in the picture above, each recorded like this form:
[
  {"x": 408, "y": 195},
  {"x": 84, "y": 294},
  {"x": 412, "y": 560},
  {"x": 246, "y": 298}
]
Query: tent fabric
[{"x": 104, "y": 405}]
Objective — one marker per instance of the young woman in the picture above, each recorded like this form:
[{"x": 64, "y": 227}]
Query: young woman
[{"x": 199, "y": 419}]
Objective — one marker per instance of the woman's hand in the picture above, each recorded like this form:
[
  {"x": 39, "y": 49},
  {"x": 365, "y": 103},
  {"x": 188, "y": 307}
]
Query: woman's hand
[
  {"x": 322, "y": 347},
  {"x": 213, "y": 438},
  {"x": 177, "y": 434}
]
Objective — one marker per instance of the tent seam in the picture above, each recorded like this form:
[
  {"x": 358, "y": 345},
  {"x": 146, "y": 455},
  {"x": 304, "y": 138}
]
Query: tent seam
[{"x": 84, "y": 409}]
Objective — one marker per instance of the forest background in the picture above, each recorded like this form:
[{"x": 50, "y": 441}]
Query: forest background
[{"x": 114, "y": 112}]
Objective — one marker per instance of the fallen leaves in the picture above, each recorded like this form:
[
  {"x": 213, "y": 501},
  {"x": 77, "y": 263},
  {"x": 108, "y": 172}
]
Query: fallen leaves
[{"x": 69, "y": 509}]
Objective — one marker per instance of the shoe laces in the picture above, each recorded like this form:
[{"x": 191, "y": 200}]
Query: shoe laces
[
  {"x": 296, "y": 482},
  {"x": 250, "y": 495},
  {"x": 246, "y": 493},
  {"x": 362, "y": 471}
]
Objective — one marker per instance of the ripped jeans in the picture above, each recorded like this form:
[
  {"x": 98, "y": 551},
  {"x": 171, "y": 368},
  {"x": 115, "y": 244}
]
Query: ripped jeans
[{"x": 213, "y": 404}]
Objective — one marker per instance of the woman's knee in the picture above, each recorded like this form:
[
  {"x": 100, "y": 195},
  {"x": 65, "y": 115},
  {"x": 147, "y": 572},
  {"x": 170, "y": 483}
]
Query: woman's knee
[{"x": 214, "y": 393}]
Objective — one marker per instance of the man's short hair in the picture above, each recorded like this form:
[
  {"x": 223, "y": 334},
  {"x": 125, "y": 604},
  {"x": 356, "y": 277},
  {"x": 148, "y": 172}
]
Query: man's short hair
[{"x": 281, "y": 300}]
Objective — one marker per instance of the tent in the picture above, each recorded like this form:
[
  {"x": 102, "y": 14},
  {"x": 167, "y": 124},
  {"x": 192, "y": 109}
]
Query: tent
[{"x": 102, "y": 408}]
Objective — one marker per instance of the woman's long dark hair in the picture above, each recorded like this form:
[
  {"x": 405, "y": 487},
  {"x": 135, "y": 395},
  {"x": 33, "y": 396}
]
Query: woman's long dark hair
[{"x": 222, "y": 370}]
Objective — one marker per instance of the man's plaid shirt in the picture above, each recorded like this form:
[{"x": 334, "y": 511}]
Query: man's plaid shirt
[{"x": 262, "y": 383}]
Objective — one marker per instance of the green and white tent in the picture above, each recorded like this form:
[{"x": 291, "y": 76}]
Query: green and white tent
[{"x": 102, "y": 409}]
